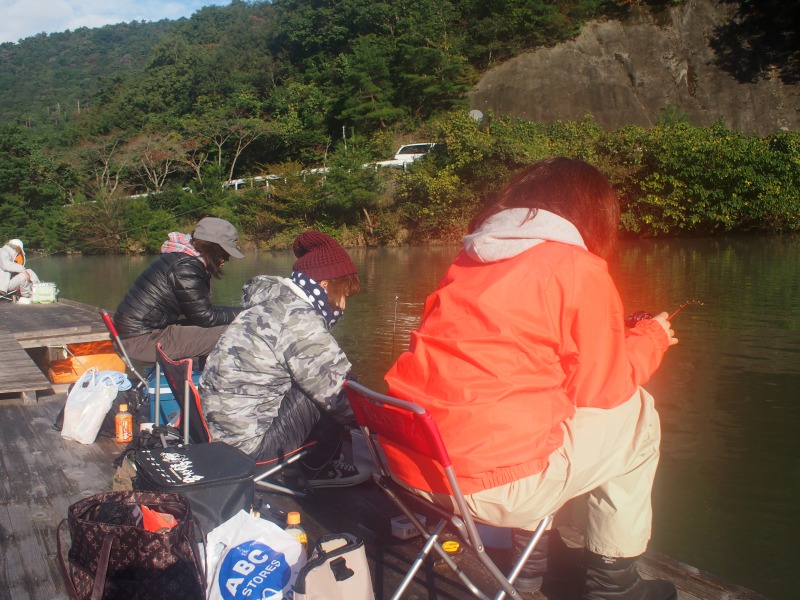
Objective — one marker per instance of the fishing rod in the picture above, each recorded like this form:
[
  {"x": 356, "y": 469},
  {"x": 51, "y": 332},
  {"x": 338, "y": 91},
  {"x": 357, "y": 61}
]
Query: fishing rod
[
  {"x": 641, "y": 315},
  {"x": 684, "y": 305}
]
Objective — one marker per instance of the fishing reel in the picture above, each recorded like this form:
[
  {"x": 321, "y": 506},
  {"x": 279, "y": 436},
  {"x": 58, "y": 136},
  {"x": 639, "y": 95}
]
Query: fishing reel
[{"x": 635, "y": 317}]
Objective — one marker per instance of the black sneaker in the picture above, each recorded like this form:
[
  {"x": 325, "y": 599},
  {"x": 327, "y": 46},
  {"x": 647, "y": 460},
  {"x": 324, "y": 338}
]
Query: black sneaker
[{"x": 336, "y": 473}]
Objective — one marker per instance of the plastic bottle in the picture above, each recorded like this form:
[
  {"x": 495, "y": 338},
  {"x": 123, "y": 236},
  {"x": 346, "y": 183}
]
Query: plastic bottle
[
  {"x": 293, "y": 527},
  {"x": 124, "y": 425}
]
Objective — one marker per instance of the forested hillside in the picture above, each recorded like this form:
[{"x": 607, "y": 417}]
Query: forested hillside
[
  {"x": 308, "y": 92},
  {"x": 47, "y": 79}
]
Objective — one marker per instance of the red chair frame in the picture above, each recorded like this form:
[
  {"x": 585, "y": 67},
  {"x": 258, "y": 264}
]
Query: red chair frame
[
  {"x": 409, "y": 426},
  {"x": 108, "y": 321}
]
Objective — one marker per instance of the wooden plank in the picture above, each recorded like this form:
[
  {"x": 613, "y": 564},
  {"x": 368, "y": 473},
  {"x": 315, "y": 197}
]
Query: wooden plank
[
  {"x": 41, "y": 475},
  {"x": 63, "y": 340},
  {"x": 12, "y": 575},
  {"x": 31, "y": 522},
  {"x": 18, "y": 372},
  {"x": 57, "y": 320},
  {"x": 28, "y": 326}
]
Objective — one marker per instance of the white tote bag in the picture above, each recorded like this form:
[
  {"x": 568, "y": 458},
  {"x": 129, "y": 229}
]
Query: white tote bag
[
  {"x": 250, "y": 557},
  {"x": 87, "y": 405}
]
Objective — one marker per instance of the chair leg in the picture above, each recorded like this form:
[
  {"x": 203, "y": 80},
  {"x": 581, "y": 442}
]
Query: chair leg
[
  {"x": 431, "y": 543},
  {"x": 515, "y": 571},
  {"x": 260, "y": 480}
]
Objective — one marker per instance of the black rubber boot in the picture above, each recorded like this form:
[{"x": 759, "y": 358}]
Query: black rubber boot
[
  {"x": 616, "y": 578},
  {"x": 550, "y": 560}
]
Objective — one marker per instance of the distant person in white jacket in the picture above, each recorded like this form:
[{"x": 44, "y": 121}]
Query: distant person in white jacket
[{"x": 13, "y": 274}]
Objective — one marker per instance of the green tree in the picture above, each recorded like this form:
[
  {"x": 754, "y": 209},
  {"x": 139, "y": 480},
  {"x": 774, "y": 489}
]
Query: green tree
[
  {"x": 154, "y": 157},
  {"x": 367, "y": 90},
  {"x": 28, "y": 191},
  {"x": 350, "y": 192}
]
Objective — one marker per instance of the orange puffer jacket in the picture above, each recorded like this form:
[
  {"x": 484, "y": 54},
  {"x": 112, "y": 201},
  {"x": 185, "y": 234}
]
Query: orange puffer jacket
[{"x": 505, "y": 353}]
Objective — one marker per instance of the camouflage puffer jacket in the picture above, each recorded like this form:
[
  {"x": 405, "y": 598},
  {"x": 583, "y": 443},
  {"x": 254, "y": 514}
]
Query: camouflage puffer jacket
[{"x": 277, "y": 342}]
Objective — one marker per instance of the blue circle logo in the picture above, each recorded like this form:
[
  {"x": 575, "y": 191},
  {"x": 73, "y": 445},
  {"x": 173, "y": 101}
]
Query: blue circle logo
[{"x": 253, "y": 570}]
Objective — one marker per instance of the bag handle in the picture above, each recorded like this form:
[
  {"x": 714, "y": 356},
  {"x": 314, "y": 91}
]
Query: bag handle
[
  {"x": 201, "y": 563},
  {"x": 71, "y": 591},
  {"x": 102, "y": 567},
  {"x": 87, "y": 380}
]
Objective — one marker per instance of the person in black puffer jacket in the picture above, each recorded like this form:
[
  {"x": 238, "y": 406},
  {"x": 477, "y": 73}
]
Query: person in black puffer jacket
[{"x": 178, "y": 284}]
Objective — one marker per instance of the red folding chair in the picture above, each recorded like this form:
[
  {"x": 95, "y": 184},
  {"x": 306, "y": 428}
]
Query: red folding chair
[
  {"x": 108, "y": 321},
  {"x": 192, "y": 421},
  {"x": 409, "y": 427}
]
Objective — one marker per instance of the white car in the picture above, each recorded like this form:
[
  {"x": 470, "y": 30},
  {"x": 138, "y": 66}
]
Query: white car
[{"x": 407, "y": 154}]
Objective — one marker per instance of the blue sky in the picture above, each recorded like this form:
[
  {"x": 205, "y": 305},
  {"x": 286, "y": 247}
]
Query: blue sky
[{"x": 25, "y": 18}]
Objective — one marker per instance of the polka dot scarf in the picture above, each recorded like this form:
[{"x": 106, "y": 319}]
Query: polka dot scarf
[{"x": 318, "y": 298}]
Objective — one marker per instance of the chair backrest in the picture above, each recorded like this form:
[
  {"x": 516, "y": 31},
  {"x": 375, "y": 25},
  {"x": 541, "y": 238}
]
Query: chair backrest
[
  {"x": 123, "y": 354},
  {"x": 407, "y": 429},
  {"x": 405, "y": 424},
  {"x": 178, "y": 374}
]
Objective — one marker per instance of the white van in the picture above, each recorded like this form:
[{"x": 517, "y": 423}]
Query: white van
[{"x": 407, "y": 154}]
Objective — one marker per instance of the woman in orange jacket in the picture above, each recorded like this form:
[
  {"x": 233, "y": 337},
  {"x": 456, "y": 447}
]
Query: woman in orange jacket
[{"x": 524, "y": 362}]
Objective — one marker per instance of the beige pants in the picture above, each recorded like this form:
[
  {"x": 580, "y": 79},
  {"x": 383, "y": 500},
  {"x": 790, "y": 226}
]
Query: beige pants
[{"x": 611, "y": 455}]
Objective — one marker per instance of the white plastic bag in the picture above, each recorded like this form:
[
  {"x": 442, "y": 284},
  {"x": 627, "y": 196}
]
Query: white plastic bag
[
  {"x": 87, "y": 404},
  {"x": 250, "y": 557}
]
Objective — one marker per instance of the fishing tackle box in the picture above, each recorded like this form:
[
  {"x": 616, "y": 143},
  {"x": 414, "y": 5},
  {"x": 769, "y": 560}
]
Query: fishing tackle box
[
  {"x": 216, "y": 478},
  {"x": 44, "y": 292}
]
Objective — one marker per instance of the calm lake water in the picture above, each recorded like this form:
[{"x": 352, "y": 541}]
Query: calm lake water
[{"x": 726, "y": 493}]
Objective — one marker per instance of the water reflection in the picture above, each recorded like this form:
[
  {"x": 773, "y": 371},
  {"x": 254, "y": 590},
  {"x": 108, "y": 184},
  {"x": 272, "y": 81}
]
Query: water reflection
[{"x": 726, "y": 489}]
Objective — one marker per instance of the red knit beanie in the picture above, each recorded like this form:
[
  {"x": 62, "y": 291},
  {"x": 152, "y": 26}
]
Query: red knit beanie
[{"x": 321, "y": 257}]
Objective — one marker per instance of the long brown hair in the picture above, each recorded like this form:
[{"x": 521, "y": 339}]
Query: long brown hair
[
  {"x": 343, "y": 287},
  {"x": 213, "y": 255},
  {"x": 570, "y": 188}
]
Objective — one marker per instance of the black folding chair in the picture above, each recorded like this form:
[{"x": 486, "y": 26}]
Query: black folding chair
[
  {"x": 192, "y": 428},
  {"x": 410, "y": 428}
]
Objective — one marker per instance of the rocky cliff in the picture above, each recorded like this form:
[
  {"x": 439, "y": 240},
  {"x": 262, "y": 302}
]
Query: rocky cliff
[{"x": 625, "y": 73}]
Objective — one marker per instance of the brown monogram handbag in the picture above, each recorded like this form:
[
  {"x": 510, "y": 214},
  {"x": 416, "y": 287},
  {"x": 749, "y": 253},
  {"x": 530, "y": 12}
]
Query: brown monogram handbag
[{"x": 113, "y": 557}]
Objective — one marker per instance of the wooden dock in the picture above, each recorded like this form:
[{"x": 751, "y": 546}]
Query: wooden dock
[
  {"x": 41, "y": 475},
  {"x": 26, "y": 327}
]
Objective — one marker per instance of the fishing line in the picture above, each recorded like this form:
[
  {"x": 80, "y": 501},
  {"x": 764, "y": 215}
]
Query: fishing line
[{"x": 394, "y": 325}]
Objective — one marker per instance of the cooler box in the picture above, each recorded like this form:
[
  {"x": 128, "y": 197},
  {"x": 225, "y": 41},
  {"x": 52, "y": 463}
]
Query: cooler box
[
  {"x": 44, "y": 292},
  {"x": 80, "y": 357},
  {"x": 169, "y": 406}
]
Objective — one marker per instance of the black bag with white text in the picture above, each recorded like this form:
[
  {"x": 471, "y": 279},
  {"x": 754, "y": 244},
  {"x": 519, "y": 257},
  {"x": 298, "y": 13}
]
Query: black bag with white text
[{"x": 216, "y": 478}]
